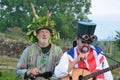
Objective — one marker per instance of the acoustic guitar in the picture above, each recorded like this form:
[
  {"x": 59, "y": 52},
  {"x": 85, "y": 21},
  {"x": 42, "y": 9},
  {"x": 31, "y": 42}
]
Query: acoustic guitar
[
  {"x": 80, "y": 74},
  {"x": 76, "y": 73}
]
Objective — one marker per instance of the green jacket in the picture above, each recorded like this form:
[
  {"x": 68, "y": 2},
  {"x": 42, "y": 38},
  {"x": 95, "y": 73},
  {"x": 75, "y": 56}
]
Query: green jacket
[{"x": 33, "y": 57}]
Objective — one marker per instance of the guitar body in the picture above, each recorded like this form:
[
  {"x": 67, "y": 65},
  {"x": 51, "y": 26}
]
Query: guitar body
[{"x": 76, "y": 73}]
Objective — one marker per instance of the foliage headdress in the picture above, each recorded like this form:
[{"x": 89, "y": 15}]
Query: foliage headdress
[{"x": 39, "y": 22}]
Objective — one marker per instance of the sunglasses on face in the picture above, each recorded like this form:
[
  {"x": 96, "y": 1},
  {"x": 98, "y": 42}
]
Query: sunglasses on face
[{"x": 84, "y": 42}]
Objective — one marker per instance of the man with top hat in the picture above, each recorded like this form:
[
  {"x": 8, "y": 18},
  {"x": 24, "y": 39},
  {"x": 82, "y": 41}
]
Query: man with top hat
[
  {"x": 38, "y": 60},
  {"x": 84, "y": 58}
]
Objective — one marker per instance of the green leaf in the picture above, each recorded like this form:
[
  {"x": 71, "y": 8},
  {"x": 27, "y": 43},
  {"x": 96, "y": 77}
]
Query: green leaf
[{"x": 29, "y": 32}]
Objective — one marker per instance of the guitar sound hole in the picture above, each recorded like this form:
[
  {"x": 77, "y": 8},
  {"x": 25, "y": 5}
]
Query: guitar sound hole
[
  {"x": 70, "y": 78},
  {"x": 80, "y": 77}
]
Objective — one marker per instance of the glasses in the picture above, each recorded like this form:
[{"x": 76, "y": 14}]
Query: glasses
[
  {"x": 87, "y": 37},
  {"x": 88, "y": 42}
]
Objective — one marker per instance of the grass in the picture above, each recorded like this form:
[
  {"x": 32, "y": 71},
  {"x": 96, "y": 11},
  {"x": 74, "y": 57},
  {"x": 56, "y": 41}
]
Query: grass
[
  {"x": 11, "y": 34},
  {"x": 8, "y": 75},
  {"x": 7, "y": 61}
]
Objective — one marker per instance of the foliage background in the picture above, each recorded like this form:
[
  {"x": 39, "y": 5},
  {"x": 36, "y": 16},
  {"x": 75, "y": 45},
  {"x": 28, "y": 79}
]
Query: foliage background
[{"x": 18, "y": 13}]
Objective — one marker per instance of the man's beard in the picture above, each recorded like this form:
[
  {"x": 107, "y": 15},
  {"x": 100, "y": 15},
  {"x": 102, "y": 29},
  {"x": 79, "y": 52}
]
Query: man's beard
[
  {"x": 43, "y": 42},
  {"x": 84, "y": 49}
]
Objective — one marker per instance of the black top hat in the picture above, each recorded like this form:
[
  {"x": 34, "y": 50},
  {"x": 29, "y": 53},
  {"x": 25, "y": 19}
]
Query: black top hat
[
  {"x": 86, "y": 28},
  {"x": 45, "y": 27}
]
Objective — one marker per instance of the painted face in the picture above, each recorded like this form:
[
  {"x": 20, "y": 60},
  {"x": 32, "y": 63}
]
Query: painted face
[
  {"x": 43, "y": 36},
  {"x": 83, "y": 46}
]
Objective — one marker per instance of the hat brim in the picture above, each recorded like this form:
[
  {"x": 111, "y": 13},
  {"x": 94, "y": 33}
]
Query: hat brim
[{"x": 44, "y": 28}]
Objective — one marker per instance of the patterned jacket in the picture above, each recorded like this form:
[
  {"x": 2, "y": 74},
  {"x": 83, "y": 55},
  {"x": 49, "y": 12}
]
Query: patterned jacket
[
  {"x": 95, "y": 61},
  {"x": 33, "y": 57}
]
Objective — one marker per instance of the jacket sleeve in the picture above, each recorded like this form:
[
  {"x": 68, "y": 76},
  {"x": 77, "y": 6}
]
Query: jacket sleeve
[
  {"x": 21, "y": 67},
  {"x": 61, "y": 69}
]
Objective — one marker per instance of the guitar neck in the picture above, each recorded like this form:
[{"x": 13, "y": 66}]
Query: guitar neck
[{"x": 100, "y": 72}]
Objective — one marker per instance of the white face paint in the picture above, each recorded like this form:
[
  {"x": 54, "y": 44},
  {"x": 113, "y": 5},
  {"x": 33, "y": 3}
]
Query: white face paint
[{"x": 84, "y": 49}]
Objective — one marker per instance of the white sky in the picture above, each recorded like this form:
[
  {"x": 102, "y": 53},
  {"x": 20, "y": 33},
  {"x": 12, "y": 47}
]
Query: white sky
[{"x": 106, "y": 14}]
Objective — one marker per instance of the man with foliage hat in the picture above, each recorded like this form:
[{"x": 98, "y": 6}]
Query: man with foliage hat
[
  {"x": 37, "y": 61},
  {"x": 84, "y": 58}
]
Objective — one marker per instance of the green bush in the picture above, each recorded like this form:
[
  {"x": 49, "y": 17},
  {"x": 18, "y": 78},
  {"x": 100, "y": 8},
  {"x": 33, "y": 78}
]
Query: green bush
[{"x": 8, "y": 75}]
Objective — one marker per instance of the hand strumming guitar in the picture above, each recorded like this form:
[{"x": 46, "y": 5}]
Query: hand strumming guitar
[{"x": 81, "y": 57}]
